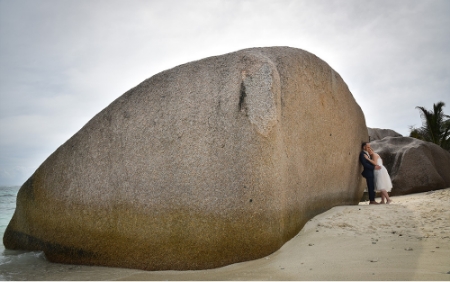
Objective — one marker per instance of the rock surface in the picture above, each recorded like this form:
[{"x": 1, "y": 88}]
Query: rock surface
[
  {"x": 210, "y": 163},
  {"x": 378, "y": 133},
  {"x": 414, "y": 165}
]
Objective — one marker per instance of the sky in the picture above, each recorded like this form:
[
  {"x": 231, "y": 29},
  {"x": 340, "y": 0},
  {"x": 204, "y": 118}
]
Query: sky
[{"x": 63, "y": 61}]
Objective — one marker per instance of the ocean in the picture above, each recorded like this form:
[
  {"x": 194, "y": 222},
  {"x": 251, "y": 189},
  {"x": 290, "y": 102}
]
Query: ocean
[{"x": 22, "y": 265}]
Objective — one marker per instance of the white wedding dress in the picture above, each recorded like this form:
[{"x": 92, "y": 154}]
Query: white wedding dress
[{"x": 382, "y": 179}]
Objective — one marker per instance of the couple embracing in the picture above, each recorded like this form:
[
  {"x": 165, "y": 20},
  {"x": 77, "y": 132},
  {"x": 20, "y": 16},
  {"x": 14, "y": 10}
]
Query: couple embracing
[{"x": 375, "y": 173}]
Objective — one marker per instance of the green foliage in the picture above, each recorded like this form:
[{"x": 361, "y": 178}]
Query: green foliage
[{"x": 435, "y": 126}]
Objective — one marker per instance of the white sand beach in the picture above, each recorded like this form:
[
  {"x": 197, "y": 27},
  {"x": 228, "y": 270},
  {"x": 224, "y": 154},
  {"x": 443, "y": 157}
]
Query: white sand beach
[{"x": 406, "y": 240}]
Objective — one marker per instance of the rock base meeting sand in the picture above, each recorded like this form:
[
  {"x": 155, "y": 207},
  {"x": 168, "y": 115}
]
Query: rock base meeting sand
[{"x": 406, "y": 240}]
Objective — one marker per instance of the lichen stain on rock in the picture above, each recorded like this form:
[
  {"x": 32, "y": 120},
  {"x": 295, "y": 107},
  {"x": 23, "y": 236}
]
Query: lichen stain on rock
[{"x": 262, "y": 94}]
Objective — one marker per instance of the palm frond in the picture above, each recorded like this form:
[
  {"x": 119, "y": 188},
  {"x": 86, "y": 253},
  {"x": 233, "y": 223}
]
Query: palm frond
[{"x": 435, "y": 126}]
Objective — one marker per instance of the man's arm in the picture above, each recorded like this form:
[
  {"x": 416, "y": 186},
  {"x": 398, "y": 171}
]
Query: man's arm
[{"x": 366, "y": 164}]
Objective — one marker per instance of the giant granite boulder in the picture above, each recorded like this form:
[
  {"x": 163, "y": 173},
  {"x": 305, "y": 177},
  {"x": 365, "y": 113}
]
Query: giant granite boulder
[
  {"x": 414, "y": 165},
  {"x": 379, "y": 133},
  {"x": 210, "y": 163}
]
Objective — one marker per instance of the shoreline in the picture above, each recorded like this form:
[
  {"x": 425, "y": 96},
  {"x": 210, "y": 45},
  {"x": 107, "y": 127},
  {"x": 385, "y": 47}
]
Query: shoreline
[{"x": 406, "y": 240}]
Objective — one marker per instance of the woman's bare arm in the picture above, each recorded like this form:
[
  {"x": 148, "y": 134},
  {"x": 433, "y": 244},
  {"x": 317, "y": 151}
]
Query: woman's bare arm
[{"x": 372, "y": 161}]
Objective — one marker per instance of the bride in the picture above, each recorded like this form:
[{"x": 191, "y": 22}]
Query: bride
[{"x": 383, "y": 183}]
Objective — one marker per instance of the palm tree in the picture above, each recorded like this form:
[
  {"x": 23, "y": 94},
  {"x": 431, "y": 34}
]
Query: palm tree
[{"x": 435, "y": 126}]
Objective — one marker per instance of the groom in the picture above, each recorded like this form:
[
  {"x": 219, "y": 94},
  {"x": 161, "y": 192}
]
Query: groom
[{"x": 368, "y": 171}]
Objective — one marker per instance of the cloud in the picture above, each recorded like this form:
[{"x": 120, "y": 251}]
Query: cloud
[{"x": 61, "y": 62}]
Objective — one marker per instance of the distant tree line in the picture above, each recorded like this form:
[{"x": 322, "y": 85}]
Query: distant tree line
[{"x": 435, "y": 126}]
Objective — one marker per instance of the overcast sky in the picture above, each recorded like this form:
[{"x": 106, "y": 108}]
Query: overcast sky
[{"x": 63, "y": 61}]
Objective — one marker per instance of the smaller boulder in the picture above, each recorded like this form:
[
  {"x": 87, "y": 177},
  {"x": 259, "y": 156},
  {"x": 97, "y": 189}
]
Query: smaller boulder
[
  {"x": 378, "y": 133},
  {"x": 414, "y": 165}
]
